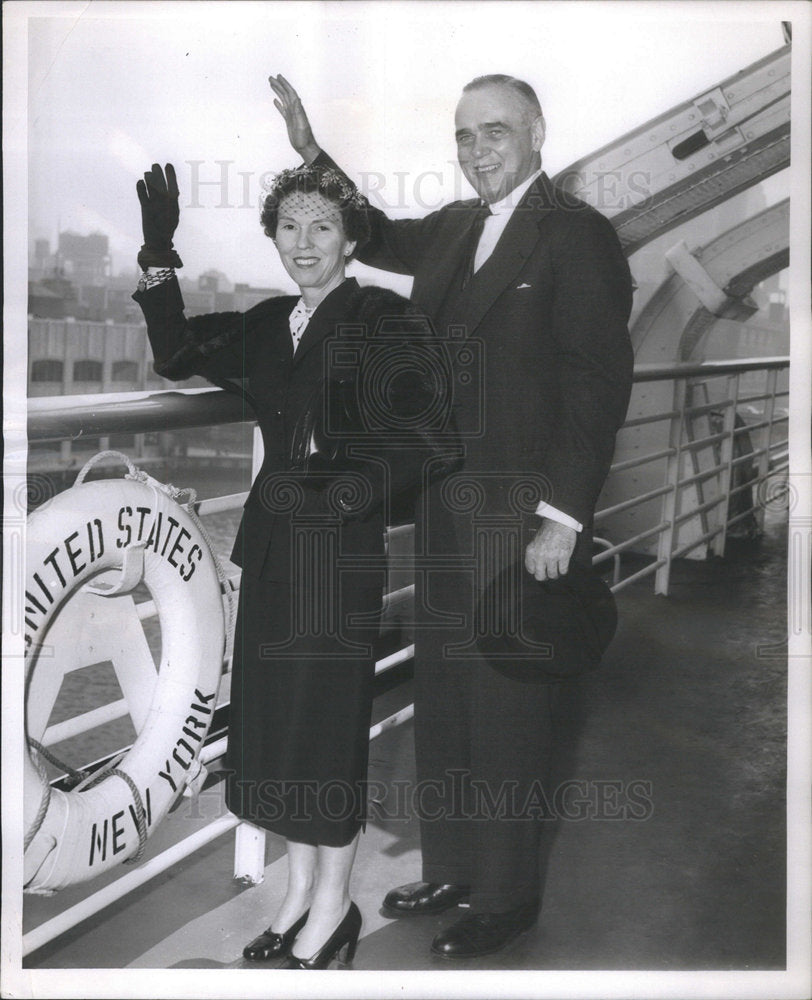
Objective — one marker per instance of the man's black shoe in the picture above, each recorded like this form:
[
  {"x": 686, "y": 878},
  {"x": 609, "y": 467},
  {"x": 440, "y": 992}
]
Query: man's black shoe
[
  {"x": 419, "y": 899},
  {"x": 484, "y": 933}
]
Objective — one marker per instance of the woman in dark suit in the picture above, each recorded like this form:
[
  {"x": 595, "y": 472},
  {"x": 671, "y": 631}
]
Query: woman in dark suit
[{"x": 311, "y": 540}]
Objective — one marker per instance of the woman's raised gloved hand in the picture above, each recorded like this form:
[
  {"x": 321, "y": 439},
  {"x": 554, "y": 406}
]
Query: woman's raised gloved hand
[{"x": 158, "y": 194}]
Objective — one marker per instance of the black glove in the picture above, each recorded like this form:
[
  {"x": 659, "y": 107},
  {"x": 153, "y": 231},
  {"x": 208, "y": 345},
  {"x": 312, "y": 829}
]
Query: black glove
[
  {"x": 159, "y": 217},
  {"x": 313, "y": 447}
]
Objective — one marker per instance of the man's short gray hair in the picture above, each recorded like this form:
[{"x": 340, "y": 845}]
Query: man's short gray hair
[{"x": 502, "y": 79}]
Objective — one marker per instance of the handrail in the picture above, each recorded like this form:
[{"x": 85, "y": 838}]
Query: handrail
[
  {"x": 649, "y": 372},
  {"x": 52, "y": 418},
  {"x": 64, "y": 417}
]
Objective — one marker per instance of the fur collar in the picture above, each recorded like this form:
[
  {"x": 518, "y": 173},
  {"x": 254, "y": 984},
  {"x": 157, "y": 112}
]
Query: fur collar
[{"x": 205, "y": 335}]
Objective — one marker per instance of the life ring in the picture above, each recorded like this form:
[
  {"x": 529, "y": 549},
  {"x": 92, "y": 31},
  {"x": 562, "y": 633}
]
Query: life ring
[{"x": 132, "y": 524}]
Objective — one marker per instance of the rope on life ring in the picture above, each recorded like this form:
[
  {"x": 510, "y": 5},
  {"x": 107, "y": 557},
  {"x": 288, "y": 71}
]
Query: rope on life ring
[
  {"x": 189, "y": 506},
  {"x": 138, "y": 526}
]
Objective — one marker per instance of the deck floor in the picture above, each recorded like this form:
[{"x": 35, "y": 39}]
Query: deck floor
[{"x": 691, "y": 700}]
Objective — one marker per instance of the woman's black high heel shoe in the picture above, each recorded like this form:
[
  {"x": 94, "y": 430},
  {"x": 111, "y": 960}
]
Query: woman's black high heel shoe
[
  {"x": 270, "y": 945},
  {"x": 345, "y": 934}
]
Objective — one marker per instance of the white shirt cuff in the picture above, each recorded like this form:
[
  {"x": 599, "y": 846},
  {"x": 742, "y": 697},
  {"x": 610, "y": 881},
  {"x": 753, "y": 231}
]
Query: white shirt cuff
[{"x": 547, "y": 510}]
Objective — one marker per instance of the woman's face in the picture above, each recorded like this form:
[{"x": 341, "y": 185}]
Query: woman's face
[{"x": 311, "y": 242}]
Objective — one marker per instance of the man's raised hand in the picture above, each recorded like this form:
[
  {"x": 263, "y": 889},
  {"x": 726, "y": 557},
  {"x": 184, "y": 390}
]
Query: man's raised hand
[{"x": 289, "y": 105}]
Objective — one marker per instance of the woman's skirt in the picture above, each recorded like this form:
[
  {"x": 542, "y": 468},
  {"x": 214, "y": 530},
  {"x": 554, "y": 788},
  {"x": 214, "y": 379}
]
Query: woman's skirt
[{"x": 301, "y": 701}]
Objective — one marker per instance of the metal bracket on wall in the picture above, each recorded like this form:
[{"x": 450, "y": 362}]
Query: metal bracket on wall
[{"x": 697, "y": 278}]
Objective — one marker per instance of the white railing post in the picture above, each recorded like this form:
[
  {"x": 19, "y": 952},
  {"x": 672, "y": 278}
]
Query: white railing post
[
  {"x": 665, "y": 544},
  {"x": 249, "y": 854},
  {"x": 764, "y": 459},
  {"x": 726, "y": 461},
  {"x": 695, "y": 428},
  {"x": 258, "y": 453}
]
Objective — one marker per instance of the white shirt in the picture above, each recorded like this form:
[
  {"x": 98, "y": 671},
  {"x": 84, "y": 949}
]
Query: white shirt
[
  {"x": 298, "y": 321},
  {"x": 495, "y": 223}
]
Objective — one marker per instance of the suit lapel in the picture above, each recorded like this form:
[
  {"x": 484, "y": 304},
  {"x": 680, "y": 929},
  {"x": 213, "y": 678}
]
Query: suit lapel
[
  {"x": 442, "y": 270},
  {"x": 515, "y": 245}
]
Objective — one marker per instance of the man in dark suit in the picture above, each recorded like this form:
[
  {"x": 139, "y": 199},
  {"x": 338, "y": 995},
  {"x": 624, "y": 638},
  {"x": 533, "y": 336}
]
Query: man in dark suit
[{"x": 536, "y": 283}]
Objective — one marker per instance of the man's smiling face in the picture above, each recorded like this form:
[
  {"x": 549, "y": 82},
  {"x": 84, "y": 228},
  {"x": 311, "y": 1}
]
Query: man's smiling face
[{"x": 499, "y": 136}]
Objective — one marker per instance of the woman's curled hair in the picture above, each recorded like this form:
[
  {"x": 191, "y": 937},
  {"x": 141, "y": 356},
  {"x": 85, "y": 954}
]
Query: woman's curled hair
[{"x": 331, "y": 185}]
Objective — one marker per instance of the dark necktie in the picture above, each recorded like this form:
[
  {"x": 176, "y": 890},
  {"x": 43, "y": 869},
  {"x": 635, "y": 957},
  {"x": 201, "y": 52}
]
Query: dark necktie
[{"x": 480, "y": 215}]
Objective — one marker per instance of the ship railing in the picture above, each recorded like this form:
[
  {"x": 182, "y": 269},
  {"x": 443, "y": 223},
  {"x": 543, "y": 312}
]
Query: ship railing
[
  {"x": 65, "y": 418},
  {"x": 756, "y": 449}
]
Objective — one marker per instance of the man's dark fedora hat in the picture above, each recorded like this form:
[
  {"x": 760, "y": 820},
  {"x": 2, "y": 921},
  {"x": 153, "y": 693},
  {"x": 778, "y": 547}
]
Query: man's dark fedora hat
[{"x": 545, "y": 630}]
